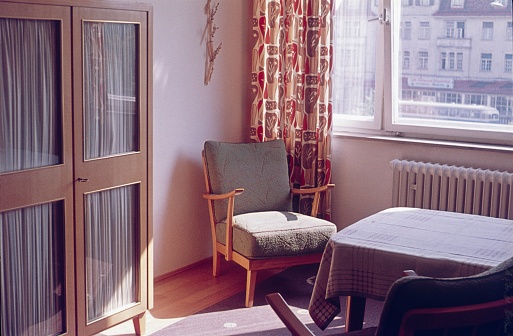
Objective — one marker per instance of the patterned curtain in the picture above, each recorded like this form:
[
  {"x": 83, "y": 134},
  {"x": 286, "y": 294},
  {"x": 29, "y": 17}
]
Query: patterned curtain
[{"x": 291, "y": 87}]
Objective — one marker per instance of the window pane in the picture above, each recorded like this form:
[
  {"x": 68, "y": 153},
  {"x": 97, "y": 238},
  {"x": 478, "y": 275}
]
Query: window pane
[
  {"x": 463, "y": 76},
  {"x": 355, "y": 60}
]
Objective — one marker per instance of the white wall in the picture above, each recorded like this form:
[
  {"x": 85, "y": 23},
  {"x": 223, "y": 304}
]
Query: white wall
[
  {"x": 363, "y": 177},
  {"x": 186, "y": 113}
]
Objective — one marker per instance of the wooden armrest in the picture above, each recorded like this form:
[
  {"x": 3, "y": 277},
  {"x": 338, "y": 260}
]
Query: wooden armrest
[
  {"x": 312, "y": 190},
  {"x": 291, "y": 321},
  {"x": 215, "y": 197},
  {"x": 317, "y": 195},
  {"x": 230, "y": 196}
]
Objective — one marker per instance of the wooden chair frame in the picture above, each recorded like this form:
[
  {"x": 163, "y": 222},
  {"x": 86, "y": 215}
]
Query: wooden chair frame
[
  {"x": 415, "y": 319},
  {"x": 455, "y": 317},
  {"x": 448, "y": 318},
  {"x": 252, "y": 265}
]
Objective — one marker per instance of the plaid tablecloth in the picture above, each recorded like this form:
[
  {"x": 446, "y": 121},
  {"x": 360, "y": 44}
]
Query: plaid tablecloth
[{"x": 365, "y": 258}]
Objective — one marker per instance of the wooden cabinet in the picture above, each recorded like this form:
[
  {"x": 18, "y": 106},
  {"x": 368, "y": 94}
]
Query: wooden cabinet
[{"x": 75, "y": 166}]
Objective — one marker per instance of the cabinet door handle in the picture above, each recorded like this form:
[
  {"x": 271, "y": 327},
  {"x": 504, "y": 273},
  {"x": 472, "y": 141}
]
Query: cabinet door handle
[{"x": 82, "y": 179}]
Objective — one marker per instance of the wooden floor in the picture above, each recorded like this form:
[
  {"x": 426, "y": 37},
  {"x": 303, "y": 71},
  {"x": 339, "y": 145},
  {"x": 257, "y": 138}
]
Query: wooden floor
[{"x": 189, "y": 292}]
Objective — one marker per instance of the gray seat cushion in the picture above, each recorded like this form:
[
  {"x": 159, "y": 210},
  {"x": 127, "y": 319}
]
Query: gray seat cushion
[{"x": 277, "y": 233}]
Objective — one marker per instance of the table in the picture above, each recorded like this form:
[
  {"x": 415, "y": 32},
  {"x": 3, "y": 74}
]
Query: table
[{"x": 364, "y": 259}]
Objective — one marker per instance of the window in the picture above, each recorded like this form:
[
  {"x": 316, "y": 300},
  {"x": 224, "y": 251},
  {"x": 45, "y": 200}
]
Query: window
[
  {"x": 449, "y": 29},
  {"x": 406, "y": 30},
  {"x": 448, "y": 82},
  {"x": 424, "y": 2},
  {"x": 457, "y": 3},
  {"x": 407, "y": 2},
  {"x": 424, "y": 31},
  {"x": 423, "y": 60},
  {"x": 455, "y": 29},
  {"x": 503, "y": 104},
  {"x": 508, "y": 62},
  {"x": 460, "y": 30},
  {"x": 475, "y": 99},
  {"x": 447, "y": 97},
  {"x": 486, "y": 62},
  {"x": 487, "y": 31},
  {"x": 459, "y": 61},
  {"x": 509, "y": 31},
  {"x": 406, "y": 59},
  {"x": 451, "y": 61}
]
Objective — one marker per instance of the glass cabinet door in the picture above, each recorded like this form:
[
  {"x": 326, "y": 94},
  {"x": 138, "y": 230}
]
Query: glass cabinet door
[
  {"x": 110, "y": 164},
  {"x": 36, "y": 189}
]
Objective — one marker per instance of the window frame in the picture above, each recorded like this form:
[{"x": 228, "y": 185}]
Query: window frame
[
  {"x": 424, "y": 30},
  {"x": 508, "y": 63},
  {"x": 486, "y": 62},
  {"x": 384, "y": 123},
  {"x": 487, "y": 31}
]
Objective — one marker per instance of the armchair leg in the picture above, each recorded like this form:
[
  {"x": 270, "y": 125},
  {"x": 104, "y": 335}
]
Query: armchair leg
[
  {"x": 216, "y": 267},
  {"x": 250, "y": 287}
]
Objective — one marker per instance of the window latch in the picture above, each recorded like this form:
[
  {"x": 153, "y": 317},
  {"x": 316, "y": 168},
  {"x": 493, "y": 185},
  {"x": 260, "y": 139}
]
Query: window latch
[{"x": 382, "y": 18}]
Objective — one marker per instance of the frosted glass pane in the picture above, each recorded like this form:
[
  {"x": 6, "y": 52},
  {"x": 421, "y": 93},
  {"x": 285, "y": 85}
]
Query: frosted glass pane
[
  {"x": 30, "y": 91},
  {"x": 110, "y": 89},
  {"x": 355, "y": 58},
  {"x": 111, "y": 228},
  {"x": 32, "y": 288}
]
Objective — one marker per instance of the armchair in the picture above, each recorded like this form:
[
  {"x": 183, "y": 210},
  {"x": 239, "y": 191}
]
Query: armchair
[{"x": 250, "y": 208}]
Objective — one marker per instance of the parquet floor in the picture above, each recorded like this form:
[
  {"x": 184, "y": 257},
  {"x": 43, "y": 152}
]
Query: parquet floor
[{"x": 189, "y": 292}]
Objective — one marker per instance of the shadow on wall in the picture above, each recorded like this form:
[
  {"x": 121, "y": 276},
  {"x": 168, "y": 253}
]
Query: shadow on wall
[{"x": 183, "y": 236}]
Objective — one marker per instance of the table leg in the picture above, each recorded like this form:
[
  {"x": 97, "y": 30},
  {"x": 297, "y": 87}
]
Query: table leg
[{"x": 355, "y": 310}]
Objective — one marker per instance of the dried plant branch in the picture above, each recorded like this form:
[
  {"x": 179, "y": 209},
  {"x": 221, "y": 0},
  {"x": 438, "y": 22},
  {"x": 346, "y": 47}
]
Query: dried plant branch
[{"x": 211, "y": 30}]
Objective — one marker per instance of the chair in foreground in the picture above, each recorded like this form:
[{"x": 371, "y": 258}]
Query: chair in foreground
[
  {"x": 250, "y": 206},
  {"x": 479, "y": 305}
]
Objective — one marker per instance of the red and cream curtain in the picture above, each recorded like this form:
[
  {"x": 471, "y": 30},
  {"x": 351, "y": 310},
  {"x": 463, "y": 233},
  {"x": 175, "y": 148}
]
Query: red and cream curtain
[{"x": 291, "y": 86}]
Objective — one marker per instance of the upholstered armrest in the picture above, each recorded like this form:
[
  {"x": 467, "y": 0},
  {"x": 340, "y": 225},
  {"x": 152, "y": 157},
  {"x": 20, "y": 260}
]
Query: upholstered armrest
[{"x": 317, "y": 195}]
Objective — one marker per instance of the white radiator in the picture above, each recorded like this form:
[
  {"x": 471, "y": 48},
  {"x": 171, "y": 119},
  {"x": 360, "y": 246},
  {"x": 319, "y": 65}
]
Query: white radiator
[{"x": 450, "y": 188}]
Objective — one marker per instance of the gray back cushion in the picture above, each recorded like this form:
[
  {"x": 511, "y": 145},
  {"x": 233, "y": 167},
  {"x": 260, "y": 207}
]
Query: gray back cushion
[{"x": 260, "y": 168}]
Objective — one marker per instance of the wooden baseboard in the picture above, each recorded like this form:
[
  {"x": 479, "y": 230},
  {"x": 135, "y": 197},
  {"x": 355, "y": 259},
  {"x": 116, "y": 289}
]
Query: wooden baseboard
[{"x": 182, "y": 269}]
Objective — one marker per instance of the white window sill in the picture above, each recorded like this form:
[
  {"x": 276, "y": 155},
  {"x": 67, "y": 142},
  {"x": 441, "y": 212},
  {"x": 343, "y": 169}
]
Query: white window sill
[{"x": 412, "y": 140}]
